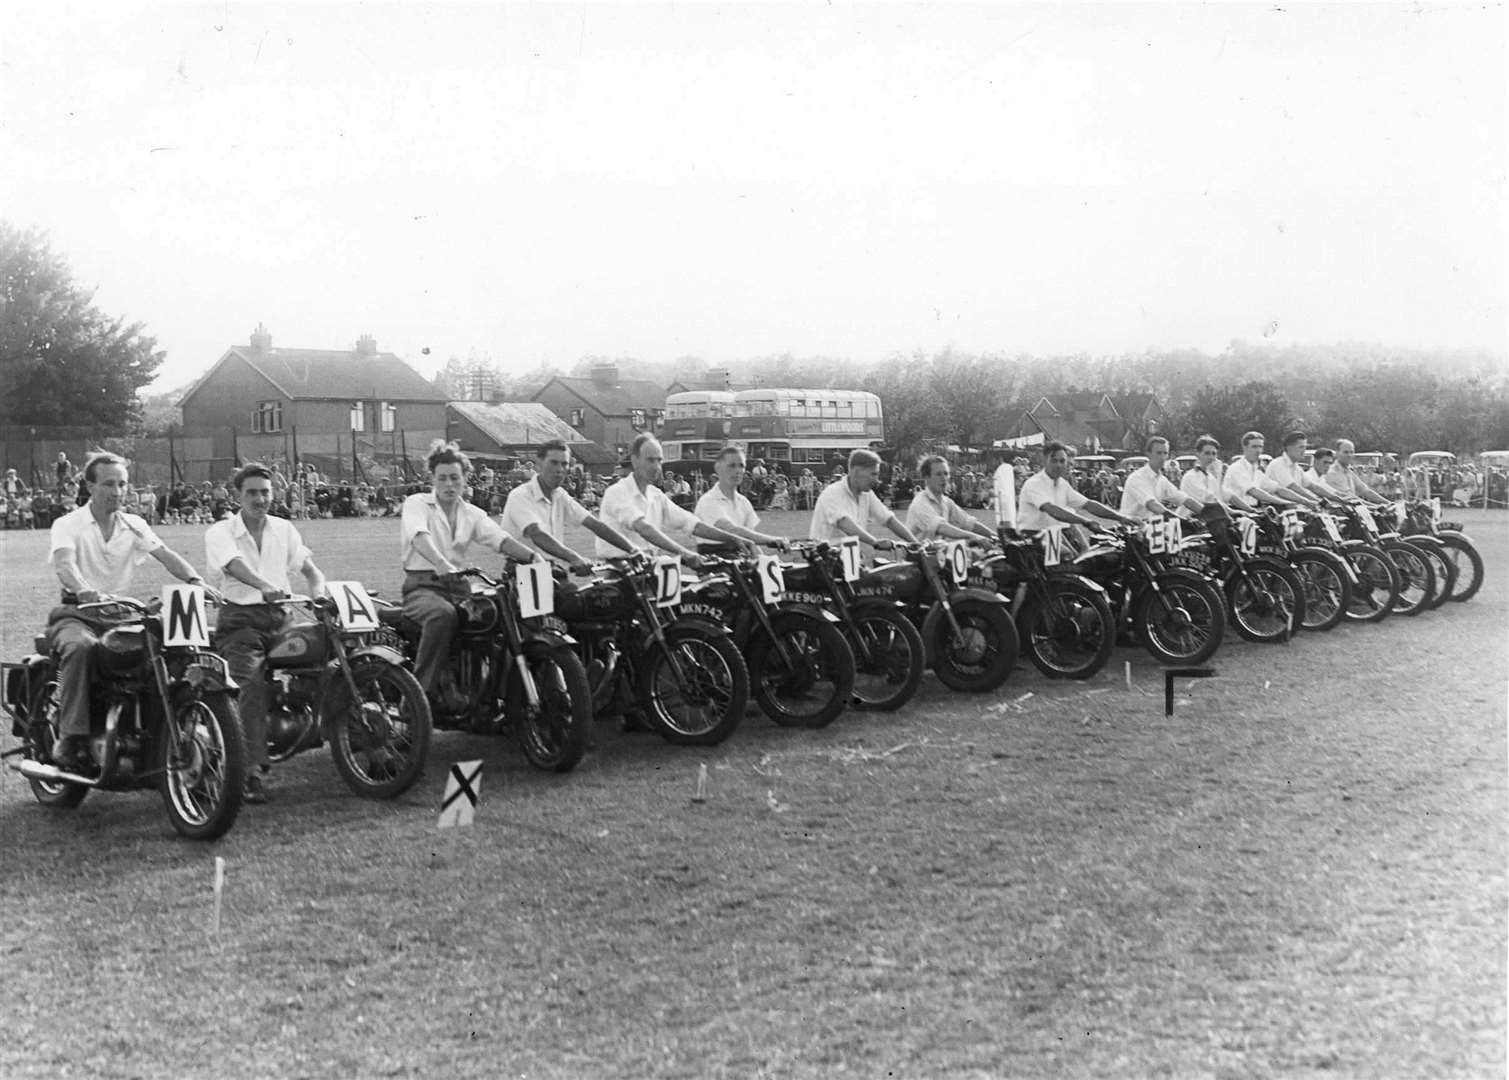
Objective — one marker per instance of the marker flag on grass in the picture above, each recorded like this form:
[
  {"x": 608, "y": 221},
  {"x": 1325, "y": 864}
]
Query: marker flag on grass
[{"x": 463, "y": 786}]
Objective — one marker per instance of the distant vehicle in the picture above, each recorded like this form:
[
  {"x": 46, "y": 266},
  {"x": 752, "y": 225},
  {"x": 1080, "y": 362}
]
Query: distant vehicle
[
  {"x": 1091, "y": 462},
  {"x": 1494, "y": 459},
  {"x": 1431, "y": 459},
  {"x": 1373, "y": 459},
  {"x": 1186, "y": 461},
  {"x": 1133, "y": 463},
  {"x": 1263, "y": 460}
]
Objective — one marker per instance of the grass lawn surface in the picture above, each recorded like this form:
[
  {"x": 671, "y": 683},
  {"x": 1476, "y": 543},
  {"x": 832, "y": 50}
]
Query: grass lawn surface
[{"x": 1301, "y": 873}]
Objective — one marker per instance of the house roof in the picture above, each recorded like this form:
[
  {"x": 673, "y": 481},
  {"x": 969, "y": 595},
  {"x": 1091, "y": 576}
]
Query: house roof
[
  {"x": 330, "y": 375},
  {"x": 1130, "y": 405},
  {"x": 521, "y": 423},
  {"x": 611, "y": 399}
]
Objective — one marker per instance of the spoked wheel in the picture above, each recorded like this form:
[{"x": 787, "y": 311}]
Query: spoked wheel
[
  {"x": 1327, "y": 588},
  {"x": 888, "y": 659},
  {"x": 1183, "y": 622},
  {"x": 1417, "y": 577},
  {"x": 1469, "y": 563},
  {"x": 380, "y": 741},
  {"x": 1070, "y": 634},
  {"x": 1377, "y": 585},
  {"x": 981, "y": 656},
  {"x": 701, "y": 700},
  {"x": 1265, "y": 602},
  {"x": 203, "y": 765},
  {"x": 812, "y": 684},
  {"x": 555, "y": 734},
  {"x": 1443, "y": 567},
  {"x": 41, "y": 732}
]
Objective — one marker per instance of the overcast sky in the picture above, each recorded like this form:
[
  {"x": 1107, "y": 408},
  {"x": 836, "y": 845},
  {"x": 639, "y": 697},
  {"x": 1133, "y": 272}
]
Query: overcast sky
[{"x": 735, "y": 180}]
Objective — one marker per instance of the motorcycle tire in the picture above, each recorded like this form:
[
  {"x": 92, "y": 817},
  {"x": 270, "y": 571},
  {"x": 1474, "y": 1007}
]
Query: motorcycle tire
[
  {"x": 42, "y": 729},
  {"x": 1070, "y": 634},
  {"x": 203, "y": 760},
  {"x": 1417, "y": 577},
  {"x": 1327, "y": 588},
  {"x": 556, "y": 735},
  {"x": 710, "y": 706},
  {"x": 890, "y": 677},
  {"x": 982, "y": 655},
  {"x": 1267, "y": 607},
  {"x": 1377, "y": 585},
  {"x": 819, "y": 688},
  {"x": 380, "y": 742},
  {"x": 1464, "y": 555},
  {"x": 1444, "y": 567},
  {"x": 1183, "y": 622}
]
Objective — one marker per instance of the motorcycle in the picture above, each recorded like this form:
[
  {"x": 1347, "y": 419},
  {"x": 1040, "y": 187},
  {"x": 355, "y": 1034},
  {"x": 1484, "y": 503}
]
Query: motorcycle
[
  {"x": 1265, "y": 599},
  {"x": 1423, "y": 519},
  {"x": 162, "y": 714},
  {"x": 1325, "y": 576},
  {"x": 1178, "y": 614},
  {"x": 514, "y": 665},
  {"x": 801, "y": 668},
  {"x": 1063, "y": 619},
  {"x": 682, "y": 672},
  {"x": 1417, "y": 576},
  {"x": 889, "y": 656},
  {"x": 1375, "y": 582},
  {"x": 339, "y": 680}
]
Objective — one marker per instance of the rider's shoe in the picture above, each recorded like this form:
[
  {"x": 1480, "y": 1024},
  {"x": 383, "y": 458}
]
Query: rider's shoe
[{"x": 71, "y": 753}]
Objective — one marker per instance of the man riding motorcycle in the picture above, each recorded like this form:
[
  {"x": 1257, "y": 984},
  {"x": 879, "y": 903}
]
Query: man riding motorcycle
[{"x": 538, "y": 511}]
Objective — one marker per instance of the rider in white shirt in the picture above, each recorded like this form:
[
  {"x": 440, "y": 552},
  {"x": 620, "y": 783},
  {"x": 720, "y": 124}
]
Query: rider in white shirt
[
  {"x": 1204, "y": 481},
  {"x": 636, "y": 507},
  {"x": 538, "y": 511},
  {"x": 1244, "y": 476},
  {"x": 724, "y": 506},
  {"x": 1343, "y": 478},
  {"x": 1149, "y": 493},
  {"x": 1286, "y": 472},
  {"x": 933, "y": 515},
  {"x": 848, "y": 507},
  {"x": 1048, "y": 501}
]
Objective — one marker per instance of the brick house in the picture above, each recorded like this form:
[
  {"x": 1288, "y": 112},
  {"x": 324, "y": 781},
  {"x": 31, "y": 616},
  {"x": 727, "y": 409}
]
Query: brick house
[
  {"x": 345, "y": 411},
  {"x": 506, "y": 429},
  {"x": 604, "y": 408},
  {"x": 1091, "y": 422}
]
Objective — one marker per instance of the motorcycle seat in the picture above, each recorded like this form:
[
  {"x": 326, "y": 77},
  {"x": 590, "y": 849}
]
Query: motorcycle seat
[
  {"x": 40, "y": 644},
  {"x": 394, "y": 617}
]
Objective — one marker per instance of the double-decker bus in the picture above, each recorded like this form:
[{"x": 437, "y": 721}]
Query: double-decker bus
[{"x": 792, "y": 428}]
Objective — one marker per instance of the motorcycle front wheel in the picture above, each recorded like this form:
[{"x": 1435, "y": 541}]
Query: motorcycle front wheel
[
  {"x": 379, "y": 742},
  {"x": 203, "y": 765},
  {"x": 1462, "y": 553},
  {"x": 981, "y": 656},
  {"x": 1070, "y": 634},
  {"x": 1327, "y": 588},
  {"x": 1266, "y": 602},
  {"x": 701, "y": 700},
  {"x": 1377, "y": 586},
  {"x": 812, "y": 685},
  {"x": 555, "y": 735},
  {"x": 1183, "y": 622},
  {"x": 889, "y": 658},
  {"x": 1417, "y": 578}
]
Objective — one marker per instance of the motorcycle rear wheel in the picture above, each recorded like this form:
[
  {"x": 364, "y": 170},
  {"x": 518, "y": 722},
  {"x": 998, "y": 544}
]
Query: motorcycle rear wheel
[
  {"x": 42, "y": 729},
  {"x": 380, "y": 742},
  {"x": 1070, "y": 634},
  {"x": 203, "y": 765},
  {"x": 555, "y": 735},
  {"x": 710, "y": 705},
  {"x": 818, "y": 688}
]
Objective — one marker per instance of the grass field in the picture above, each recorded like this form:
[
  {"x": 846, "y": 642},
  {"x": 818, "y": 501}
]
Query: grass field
[{"x": 1301, "y": 873}]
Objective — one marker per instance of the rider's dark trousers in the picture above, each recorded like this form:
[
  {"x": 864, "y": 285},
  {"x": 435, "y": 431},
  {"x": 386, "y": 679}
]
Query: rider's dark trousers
[
  {"x": 428, "y": 601},
  {"x": 243, "y": 634},
  {"x": 74, "y": 643}
]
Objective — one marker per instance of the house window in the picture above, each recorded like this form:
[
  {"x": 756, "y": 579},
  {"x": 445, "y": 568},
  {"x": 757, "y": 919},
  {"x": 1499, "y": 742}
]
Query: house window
[
  {"x": 358, "y": 417},
  {"x": 388, "y": 417},
  {"x": 578, "y": 417},
  {"x": 268, "y": 417},
  {"x": 636, "y": 418}
]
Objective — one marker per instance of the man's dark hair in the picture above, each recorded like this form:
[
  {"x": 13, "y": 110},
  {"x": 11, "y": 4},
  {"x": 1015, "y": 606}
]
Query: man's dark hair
[
  {"x": 727, "y": 451},
  {"x": 1207, "y": 440},
  {"x": 1147, "y": 447},
  {"x": 549, "y": 445},
  {"x": 1295, "y": 437},
  {"x": 926, "y": 466},
  {"x": 864, "y": 459},
  {"x": 1051, "y": 448},
  {"x": 1248, "y": 436},
  {"x": 447, "y": 453},
  {"x": 1324, "y": 452},
  {"x": 103, "y": 457},
  {"x": 247, "y": 471}
]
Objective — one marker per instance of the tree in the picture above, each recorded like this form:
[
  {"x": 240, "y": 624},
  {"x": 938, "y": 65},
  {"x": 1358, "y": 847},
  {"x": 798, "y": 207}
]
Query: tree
[
  {"x": 63, "y": 362},
  {"x": 1229, "y": 411},
  {"x": 914, "y": 415},
  {"x": 1385, "y": 408}
]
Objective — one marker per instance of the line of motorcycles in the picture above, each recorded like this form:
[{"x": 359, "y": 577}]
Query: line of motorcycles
[{"x": 539, "y": 655}]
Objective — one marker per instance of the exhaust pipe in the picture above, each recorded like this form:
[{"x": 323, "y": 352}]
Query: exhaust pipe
[{"x": 35, "y": 770}]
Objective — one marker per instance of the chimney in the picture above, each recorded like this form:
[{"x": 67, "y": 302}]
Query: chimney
[
  {"x": 366, "y": 345},
  {"x": 261, "y": 340},
  {"x": 717, "y": 379},
  {"x": 605, "y": 374}
]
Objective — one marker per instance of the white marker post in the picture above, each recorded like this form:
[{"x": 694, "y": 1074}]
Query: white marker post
[
  {"x": 219, "y": 892},
  {"x": 463, "y": 787},
  {"x": 1129, "y": 674},
  {"x": 700, "y": 795}
]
